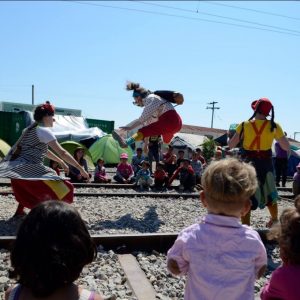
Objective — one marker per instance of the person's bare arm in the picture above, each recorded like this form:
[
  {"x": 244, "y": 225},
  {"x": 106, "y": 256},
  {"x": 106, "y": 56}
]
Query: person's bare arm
[
  {"x": 54, "y": 157},
  {"x": 67, "y": 157},
  {"x": 261, "y": 272},
  {"x": 234, "y": 140},
  {"x": 284, "y": 144}
]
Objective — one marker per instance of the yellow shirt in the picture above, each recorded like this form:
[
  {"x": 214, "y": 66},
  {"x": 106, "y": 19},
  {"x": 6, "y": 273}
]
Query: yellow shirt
[{"x": 266, "y": 137}]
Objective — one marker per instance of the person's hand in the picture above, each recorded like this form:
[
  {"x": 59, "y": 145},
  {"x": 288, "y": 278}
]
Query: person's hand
[
  {"x": 84, "y": 174},
  {"x": 79, "y": 177}
]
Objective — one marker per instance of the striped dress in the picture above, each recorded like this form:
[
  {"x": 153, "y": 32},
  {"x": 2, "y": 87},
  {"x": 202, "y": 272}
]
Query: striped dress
[
  {"x": 32, "y": 182},
  {"x": 29, "y": 165}
]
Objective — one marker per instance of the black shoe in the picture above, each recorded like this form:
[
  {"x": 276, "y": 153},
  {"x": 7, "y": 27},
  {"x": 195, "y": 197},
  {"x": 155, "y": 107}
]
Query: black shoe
[{"x": 277, "y": 184}]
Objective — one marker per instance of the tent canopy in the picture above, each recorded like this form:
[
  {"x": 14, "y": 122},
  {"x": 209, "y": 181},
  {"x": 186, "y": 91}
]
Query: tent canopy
[
  {"x": 108, "y": 149},
  {"x": 4, "y": 148},
  {"x": 70, "y": 146},
  {"x": 187, "y": 141}
]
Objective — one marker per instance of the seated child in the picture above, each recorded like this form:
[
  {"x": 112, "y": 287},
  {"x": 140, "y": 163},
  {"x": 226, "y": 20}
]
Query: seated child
[
  {"x": 284, "y": 282},
  {"x": 220, "y": 256},
  {"x": 161, "y": 178},
  {"x": 100, "y": 172},
  {"x": 197, "y": 166},
  {"x": 143, "y": 176},
  {"x": 51, "y": 248},
  {"x": 296, "y": 181},
  {"x": 137, "y": 160},
  {"x": 124, "y": 172},
  {"x": 187, "y": 176}
]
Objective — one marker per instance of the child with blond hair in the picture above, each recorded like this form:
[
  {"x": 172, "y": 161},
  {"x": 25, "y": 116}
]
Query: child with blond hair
[
  {"x": 220, "y": 256},
  {"x": 284, "y": 283}
]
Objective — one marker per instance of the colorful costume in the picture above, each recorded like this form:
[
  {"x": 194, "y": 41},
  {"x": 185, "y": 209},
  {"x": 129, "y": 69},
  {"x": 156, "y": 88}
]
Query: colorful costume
[
  {"x": 32, "y": 181},
  {"x": 257, "y": 139}
]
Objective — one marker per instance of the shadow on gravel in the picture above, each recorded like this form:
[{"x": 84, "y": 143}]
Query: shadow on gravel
[
  {"x": 150, "y": 222},
  {"x": 10, "y": 226}
]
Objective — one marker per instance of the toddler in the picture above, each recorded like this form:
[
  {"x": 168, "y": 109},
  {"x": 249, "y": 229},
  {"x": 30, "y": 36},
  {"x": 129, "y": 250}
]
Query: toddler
[
  {"x": 100, "y": 172},
  {"x": 220, "y": 256},
  {"x": 51, "y": 248},
  {"x": 284, "y": 283},
  {"x": 143, "y": 176},
  {"x": 197, "y": 166}
]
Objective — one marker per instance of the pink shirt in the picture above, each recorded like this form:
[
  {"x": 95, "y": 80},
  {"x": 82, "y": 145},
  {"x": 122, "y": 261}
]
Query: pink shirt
[
  {"x": 221, "y": 258},
  {"x": 284, "y": 284}
]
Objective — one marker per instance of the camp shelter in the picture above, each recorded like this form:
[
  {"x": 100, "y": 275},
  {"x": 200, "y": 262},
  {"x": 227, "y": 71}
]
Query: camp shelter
[
  {"x": 70, "y": 146},
  {"x": 108, "y": 149},
  {"x": 4, "y": 148}
]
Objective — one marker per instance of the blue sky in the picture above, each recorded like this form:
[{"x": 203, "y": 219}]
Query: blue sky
[{"x": 80, "y": 54}]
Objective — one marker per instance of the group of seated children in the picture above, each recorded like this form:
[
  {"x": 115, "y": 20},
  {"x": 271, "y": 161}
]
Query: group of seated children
[{"x": 221, "y": 257}]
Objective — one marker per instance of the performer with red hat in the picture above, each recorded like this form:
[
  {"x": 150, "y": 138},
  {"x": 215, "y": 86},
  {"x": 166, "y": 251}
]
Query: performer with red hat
[
  {"x": 256, "y": 136},
  {"x": 33, "y": 182}
]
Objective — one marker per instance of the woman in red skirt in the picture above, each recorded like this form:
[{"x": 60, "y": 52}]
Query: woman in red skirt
[
  {"x": 159, "y": 117},
  {"x": 33, "y": 182}
]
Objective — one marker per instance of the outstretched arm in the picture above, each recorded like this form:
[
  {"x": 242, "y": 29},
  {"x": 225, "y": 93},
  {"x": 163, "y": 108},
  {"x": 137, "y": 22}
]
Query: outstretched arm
[
  {"x": 67, "y": 157},
  {"x": 234, "y": 140}
]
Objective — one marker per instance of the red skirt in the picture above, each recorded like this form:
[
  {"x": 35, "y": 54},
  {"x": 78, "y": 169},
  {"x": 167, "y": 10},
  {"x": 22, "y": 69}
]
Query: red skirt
[
  {"x": 29, "y": 193},
  {"x": 167, "y": 125}
]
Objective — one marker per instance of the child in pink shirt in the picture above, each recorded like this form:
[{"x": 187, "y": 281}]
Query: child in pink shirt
[
  {"x": 124, "y": 172},
  {"x": 221, "y": 257},
  {"x": 284, "y": 283}
]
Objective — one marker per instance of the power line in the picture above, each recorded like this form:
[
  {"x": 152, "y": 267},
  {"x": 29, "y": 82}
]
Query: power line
[
  {"x": 218, "y": 16},
  {"x": 253, "y": 10},
  {"x": 182, "y": 17}
]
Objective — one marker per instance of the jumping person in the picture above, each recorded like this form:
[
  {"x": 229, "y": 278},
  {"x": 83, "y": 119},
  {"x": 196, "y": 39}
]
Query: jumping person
[
  {"x": 257, "y": 135},
  {"x": 33, "y": 182},
  {"x": 167, "y": 120}
]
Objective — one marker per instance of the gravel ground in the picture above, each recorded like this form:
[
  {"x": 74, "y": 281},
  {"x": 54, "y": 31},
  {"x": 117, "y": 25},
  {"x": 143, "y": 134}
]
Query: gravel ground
[{"x": 130, "y": 215}]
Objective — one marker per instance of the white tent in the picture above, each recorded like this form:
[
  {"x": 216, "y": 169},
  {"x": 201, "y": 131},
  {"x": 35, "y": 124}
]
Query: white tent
[
  {"x": 187, "y": 141},
  {"x": 71, "y": 128}
]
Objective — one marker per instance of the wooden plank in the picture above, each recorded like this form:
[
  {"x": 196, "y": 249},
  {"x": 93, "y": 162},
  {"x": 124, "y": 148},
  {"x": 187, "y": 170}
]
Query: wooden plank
[{"x": 136, "y": 278}]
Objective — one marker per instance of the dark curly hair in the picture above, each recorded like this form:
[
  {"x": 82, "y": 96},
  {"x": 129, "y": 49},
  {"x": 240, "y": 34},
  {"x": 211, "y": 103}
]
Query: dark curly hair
[
  {"x": 42, "y": 110},
  {"x": 51, "y": 249},
  {"x": 133, "y": 86}
]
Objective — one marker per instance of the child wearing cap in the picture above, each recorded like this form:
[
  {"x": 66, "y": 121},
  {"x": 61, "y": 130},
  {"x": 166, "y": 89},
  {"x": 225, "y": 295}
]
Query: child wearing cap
[
  {"x": 124, "y": 172},
  {"x": 100, "y": 172},
  {"x": 143, "y": 176},
  {"x": 186, "y": 175},
  {"x": 296, "y": 181},
  {"x": 256, "y": 136},
  {"x": 220, "y": 256}
]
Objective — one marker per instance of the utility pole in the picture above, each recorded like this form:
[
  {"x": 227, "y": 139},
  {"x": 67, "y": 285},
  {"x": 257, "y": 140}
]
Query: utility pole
[
  {"x": 32, "y": 94},
  {"x": 213, "y": 111}
]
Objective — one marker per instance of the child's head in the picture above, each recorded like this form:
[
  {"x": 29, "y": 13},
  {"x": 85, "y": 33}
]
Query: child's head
[
  {"x": 145, "y": 164},
  {"x": 160, "y": 165},
  {"x": 51, "y": 249},
  {"x": 185, "y": 163},
  {"x": 289, "y": 236},
  {"x": 139, "y": 151},
  {"x": 100, "y": 162},
  {"x": 53, "y": 164},
  {"x": 298, "y": 168},
  {"x": 180, "y": 153},
  {"x": 124, "y": 158},
  {"x": 228, "y": 185},
  {"x": 194, "y": 155}
]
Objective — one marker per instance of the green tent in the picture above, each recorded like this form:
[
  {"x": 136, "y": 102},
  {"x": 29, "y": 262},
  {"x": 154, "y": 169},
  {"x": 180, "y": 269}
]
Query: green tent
[
  {"x": 70, "y": 146},
  {"x": 108, "y": 149},
  {"x": 4, "y": 148}
]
